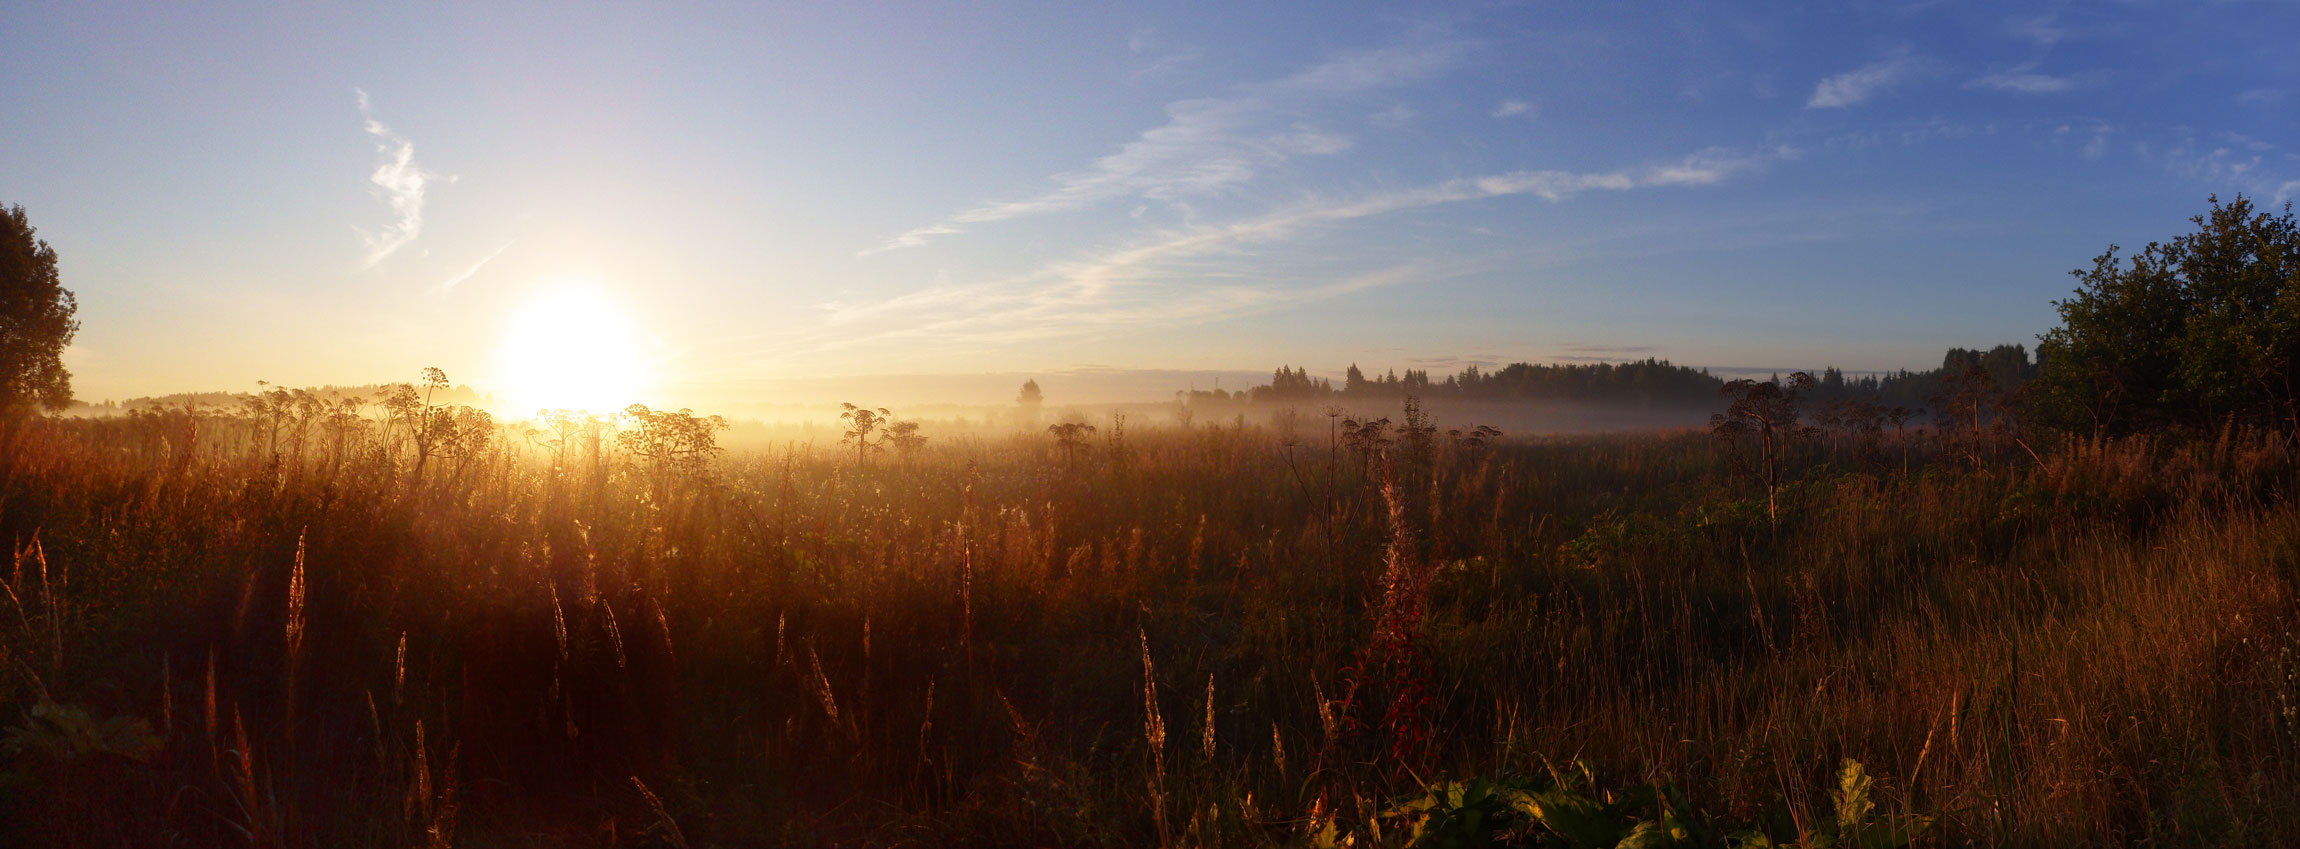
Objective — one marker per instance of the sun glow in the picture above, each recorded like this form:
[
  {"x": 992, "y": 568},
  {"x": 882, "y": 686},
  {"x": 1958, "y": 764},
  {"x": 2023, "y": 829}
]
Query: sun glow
[{"x": 570, "y": 348}]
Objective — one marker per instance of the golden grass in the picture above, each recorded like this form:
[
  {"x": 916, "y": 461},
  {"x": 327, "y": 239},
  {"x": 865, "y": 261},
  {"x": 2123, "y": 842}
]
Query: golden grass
[{"x": 2090, "y": 644}]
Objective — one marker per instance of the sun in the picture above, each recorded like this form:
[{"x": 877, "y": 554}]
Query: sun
[{"x": 570, "y": 348}]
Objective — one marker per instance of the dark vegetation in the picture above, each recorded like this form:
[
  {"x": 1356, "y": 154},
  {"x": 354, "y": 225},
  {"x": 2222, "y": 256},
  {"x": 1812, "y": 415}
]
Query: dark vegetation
[
  {"x": 2196, "y": 334},
  {"x": 1649, "y": 383},
  {"x": 36, "y": 320},
  {"x": 396, "y": 624}
]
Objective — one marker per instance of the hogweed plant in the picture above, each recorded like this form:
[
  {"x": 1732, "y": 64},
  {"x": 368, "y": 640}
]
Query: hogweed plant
[
  {"x": 670, "y": 441},
  {"x": 862, "y": 429},
  {"x": 1767, "y": 413}
]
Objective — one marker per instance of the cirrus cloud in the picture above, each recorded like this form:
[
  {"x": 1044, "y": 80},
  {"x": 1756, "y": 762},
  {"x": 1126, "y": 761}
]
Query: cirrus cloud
[
  {"x": 399, "y": 182},
  {"x": 1859, "y": 85},
  {"x": 1209, "y": 144}
]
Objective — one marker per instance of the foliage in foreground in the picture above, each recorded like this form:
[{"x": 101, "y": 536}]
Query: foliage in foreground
[{"x": 1570, "y": 812}]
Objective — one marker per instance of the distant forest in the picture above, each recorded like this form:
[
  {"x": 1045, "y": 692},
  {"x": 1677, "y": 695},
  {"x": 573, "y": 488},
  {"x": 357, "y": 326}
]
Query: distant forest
[
  {"x": 1644, "y": 383},
  {"x": 374, "y": 392},
  {"x": 1648, "y": 383}
]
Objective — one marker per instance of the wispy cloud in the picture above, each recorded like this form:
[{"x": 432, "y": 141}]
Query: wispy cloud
[
  {"x": 2236, "y": 162},
  {"x": 1604, "y": 349},
  {"x": 1196, "y": 274},
  {"x": 1158, "y": 57},
  {"x": 915, "y": 238},
  {"x": 399, "y": 182},
  {"x": 1455, "y": 362},
  {"x": 1508, "y": 108},
  {"x": 1702, "y": 168},
  {"x": 1570, "y": 354},
  {"x": 2095, "y": 135},
  {"x": 1398, "y": 115},
  {"x": 2041, "y": 30},
  {"x": 1860, "y": 84},
  {"x": 448, "y": 286},
  {"x": 2023, "y": 83},
  {"x": 1208, "y": 144},
  {"x": 1043, "y": 306},
  {"x": 2259, "y": 97}
]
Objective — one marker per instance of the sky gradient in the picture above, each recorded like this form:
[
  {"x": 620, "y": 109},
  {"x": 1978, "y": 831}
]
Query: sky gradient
[{"x": 771, "y": 196}]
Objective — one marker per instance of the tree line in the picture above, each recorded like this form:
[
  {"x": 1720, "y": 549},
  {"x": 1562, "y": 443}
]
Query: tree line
[{"x": 1646, "y": 383}]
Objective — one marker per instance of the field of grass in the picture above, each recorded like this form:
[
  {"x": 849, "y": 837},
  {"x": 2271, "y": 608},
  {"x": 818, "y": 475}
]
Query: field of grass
[{"x": 220, "y": 632}]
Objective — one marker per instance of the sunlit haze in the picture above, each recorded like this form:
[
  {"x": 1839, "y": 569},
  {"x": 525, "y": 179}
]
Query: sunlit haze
[{"x": 1120, "y": 199}]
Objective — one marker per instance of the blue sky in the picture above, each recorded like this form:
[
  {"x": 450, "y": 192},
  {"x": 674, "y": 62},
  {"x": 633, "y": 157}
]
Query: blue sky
[{"x": 345, "y": 195}]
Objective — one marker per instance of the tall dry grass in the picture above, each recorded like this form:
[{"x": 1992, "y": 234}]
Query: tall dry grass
[{"x": 214, "y": 639}]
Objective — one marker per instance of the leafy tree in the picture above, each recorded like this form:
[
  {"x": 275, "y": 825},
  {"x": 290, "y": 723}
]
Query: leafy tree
[
  {"x": 2008, "y": 365},
  {"x": 2192, "y": 332},
  {"x": 35, "y": 319}
]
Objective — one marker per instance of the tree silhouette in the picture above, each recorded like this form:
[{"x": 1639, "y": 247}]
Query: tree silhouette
[
  {"x": 564, "y": 430},
  {"x": 1767, "y": 410},
  {"x": 1367, "y": 440},
  {"x": 668, "y": 441},
  {"x": 862, "y": 423},
  {"x": 451, "y": 431},
  {"x": 1071, "y": 438},
  {"x": 35, "y": 320},
  {"x": 1475, "y": 439},
  {"x": 1030, "y": 399},
  {"x": 905, "y": 438},
  {"x": 1417, "y": 437}
]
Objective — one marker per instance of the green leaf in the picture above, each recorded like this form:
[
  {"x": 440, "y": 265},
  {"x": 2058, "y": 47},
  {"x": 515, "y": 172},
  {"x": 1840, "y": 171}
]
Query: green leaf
[
  {"x": 1649, "y": 835},
  {"x": 1580, "y": 820},
  {"x": 1853, "y": 804}
]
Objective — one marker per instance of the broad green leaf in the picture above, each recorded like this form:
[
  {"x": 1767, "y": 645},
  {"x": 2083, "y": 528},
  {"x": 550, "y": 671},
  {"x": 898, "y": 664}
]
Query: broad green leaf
[
  {"x": 1648, "y": 835},
  {"x": 1580, "y": 820},
  {"x": 1853, "y": 804}
]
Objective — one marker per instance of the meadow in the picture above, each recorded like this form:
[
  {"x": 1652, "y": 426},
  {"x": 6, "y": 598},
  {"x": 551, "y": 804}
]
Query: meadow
[{"x": 343, "y": 627}]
